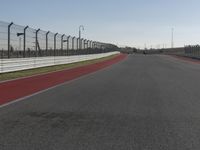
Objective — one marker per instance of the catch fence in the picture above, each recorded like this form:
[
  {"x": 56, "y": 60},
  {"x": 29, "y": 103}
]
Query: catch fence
[{"x": 18, "y": 41}]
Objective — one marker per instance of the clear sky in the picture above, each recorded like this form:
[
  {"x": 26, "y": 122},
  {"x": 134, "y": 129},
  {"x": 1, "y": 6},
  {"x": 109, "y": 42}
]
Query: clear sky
[{"x": 122, "y": 22}]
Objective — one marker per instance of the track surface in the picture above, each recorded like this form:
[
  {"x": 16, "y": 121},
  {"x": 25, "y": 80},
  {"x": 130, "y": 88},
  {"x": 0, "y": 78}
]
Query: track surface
[
  {"x": 142, "y": 103},
  {"x": 19, "y": 88}
]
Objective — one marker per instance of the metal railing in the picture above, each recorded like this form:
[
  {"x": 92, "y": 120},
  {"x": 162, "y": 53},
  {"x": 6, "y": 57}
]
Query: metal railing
[{"x": 23, "y": 41}]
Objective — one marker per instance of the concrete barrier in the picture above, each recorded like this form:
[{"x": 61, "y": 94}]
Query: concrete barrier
[{"x": 17, "y": 64}]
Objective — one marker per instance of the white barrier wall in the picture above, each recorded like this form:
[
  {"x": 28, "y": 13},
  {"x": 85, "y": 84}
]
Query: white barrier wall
[{"x": 17, "y": 64}]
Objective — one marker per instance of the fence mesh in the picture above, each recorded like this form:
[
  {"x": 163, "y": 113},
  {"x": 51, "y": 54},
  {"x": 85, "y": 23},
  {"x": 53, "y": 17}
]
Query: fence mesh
[{"x": 18, "y": 41}]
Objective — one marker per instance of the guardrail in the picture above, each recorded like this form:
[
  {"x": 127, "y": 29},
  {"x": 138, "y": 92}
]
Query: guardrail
[{"x": 10, "y": 65}]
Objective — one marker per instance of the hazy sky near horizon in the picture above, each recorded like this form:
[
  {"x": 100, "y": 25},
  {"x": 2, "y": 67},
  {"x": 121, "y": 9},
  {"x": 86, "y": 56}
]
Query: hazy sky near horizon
[{"x": 122, "y": 22}]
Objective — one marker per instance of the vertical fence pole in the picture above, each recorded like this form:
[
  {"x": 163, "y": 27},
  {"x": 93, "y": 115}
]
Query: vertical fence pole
[
  {"x": 9, "y": 26},
  {"x": 62, "y": 43},
  {"x": 47, "y": 41},
  {"x": 77, "y": 46},
  {"x": 82, "y": 40},
  {"x": 73, "y": 43},
  {"x": 24, "y": 54},
  {"x": 88, "y": 43},
  {"x": 36, "y": 42},
  {"x": 80, "y": 43},
  {"x": 96, "y": 45},
  {"x": 55, "y": 43},
  {"x": 77, "y": 43},
  {"x": 83, "y": 43},
  {"x": 91, "y": 44},
  {"x": 68, "y": 45}
]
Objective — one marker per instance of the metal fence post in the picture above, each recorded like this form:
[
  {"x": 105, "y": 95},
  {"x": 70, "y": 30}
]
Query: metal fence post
[
  {"x": 93, "y": 46},
  {"x": 24, "y": 54},
  {"x": 36, "y": 42},
  {"x": 55, "y": 43},
  {"x": 62, "y": 41},
  {"x": 9, "y": 26},
  {"x": 96, "y": 45},
  {"x": 77, "y": 46},
  {"x": 77, "y": 43},
  {"x": 68, "y": 45},
  {"x": 88, "y": 43},
  {"x": 83, "y": 43},
  {"x": 47, "y": 41},
  {"x": 73, "y": 42}
]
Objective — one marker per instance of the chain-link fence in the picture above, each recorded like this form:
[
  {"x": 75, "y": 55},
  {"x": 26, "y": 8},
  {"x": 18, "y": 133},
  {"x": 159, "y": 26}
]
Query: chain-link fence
[
  {"x": 22, "y": 41},
  {"x": 188, "y": 51},
  {"x": 192, "y": 51}
]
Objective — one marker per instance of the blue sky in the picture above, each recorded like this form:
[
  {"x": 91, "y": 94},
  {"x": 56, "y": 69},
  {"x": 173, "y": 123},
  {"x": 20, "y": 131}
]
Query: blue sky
[{"x": 122, "y": 22}]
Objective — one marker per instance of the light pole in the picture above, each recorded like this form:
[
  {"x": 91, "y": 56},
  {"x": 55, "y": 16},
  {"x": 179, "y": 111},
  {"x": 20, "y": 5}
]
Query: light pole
[{"x": 81, "y": 27}]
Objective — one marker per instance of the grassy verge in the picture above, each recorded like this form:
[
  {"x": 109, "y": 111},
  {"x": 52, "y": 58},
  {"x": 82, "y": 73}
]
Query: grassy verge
[{"x": 37, "y": 71}]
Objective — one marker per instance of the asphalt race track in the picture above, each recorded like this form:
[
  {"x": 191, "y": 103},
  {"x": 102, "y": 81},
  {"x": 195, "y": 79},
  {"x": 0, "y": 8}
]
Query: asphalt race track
[{"x": 141, "y": 103}]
